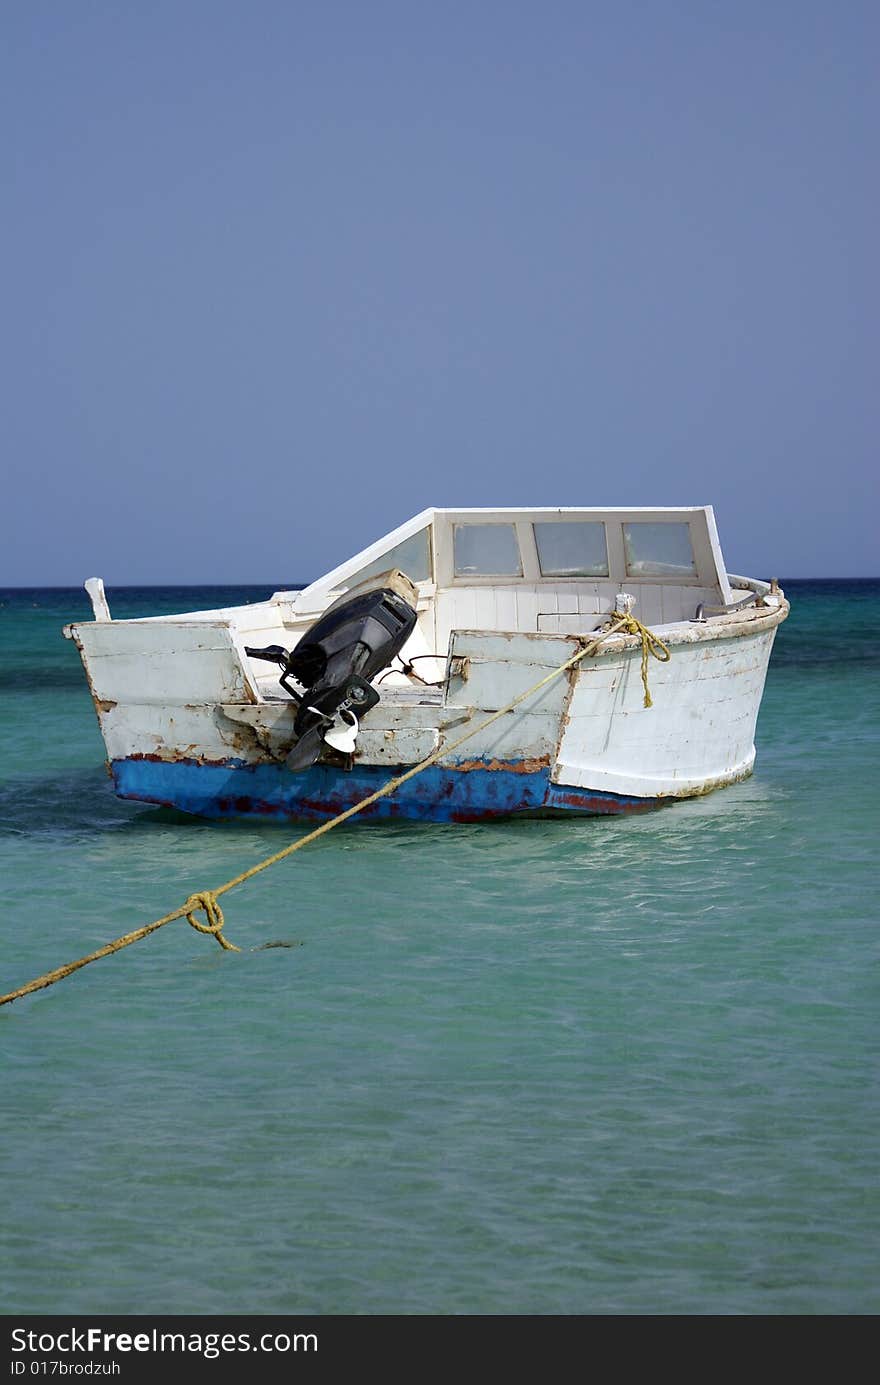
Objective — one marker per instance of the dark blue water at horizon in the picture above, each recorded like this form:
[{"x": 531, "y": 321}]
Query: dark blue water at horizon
[{"x": 587, "y": 1066}]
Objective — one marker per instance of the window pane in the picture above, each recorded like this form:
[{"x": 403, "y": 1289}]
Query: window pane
[
  {"x": 658, "y": 550},
  {"x": 412, "y": 556},
  {"x": 572, "y": 550},
  {"x": 486, "y": 550}
]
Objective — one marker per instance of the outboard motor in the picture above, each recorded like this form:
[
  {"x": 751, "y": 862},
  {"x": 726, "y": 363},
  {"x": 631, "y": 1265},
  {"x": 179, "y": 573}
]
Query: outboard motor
[{"x": 355, "y": 638}]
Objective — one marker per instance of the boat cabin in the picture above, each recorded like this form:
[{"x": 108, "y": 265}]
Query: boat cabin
[
  {"x": 547, "y": 571},
  {"x": 543, "y": 571}
]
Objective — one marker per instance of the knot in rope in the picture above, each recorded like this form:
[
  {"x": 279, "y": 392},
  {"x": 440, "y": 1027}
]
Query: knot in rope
[
  {"x": 205, "y": 901},
  {"x": 650, "y": 645}
]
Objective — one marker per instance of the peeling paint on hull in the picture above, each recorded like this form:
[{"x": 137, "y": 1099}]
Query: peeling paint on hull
[{"x": 235, "y": 789}]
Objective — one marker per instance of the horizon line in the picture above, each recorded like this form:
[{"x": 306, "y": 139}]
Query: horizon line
[{"x": 300, "y": 586}]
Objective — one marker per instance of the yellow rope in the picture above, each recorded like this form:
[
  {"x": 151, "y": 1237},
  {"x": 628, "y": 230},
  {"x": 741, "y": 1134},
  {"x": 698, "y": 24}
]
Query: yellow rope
[
  {"x": 650, "y": 645},
  {"x": 205, "y": 901},
  {"x": 187, "y": 910}
]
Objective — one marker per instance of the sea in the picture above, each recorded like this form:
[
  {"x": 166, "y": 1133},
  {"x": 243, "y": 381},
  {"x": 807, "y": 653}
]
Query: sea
[{"x": 608, "y": 1066}]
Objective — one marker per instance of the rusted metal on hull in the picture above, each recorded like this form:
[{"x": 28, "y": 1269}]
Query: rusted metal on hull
[
  {"x": 528, "y": 766},
  {"x": 252, "y": 740},
  {"x": 596, "y": 805}
]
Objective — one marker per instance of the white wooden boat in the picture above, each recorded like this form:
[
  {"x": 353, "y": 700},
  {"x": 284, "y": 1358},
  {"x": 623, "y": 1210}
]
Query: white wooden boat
[{"x": 287, "y": 709}]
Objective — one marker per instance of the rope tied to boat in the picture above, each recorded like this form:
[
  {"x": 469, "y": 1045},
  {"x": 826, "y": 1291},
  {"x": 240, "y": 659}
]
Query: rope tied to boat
[
  {"x": 205, "y": 901},
  {"x": 650, "y": 645}
]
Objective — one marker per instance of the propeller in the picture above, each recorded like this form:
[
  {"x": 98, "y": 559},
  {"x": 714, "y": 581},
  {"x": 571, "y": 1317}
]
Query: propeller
[{"x": 343, "y": 734}]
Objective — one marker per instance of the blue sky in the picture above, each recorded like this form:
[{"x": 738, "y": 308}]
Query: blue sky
[{"x": 279, "y": 275}]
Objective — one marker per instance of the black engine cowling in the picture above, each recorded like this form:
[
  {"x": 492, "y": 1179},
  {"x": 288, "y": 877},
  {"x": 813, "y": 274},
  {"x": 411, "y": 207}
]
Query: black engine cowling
[{"x": 333, "y": 663}]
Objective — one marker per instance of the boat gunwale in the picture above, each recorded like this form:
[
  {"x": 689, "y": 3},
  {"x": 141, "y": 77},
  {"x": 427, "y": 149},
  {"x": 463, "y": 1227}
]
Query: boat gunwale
[{"x": 730, "y": 626}]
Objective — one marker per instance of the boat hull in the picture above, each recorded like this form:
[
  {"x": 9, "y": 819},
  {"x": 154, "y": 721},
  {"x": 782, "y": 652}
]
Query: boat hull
[
  {"x": 513, "y": 730},
  {"x": 437, "y": 794}
]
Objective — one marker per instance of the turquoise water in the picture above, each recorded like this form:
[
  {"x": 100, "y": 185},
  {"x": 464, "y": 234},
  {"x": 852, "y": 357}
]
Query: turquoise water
[{"x": 571, "y": 1067}]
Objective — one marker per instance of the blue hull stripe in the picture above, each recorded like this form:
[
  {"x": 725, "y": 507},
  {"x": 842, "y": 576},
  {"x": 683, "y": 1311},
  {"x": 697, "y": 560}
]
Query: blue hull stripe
[{"x": 236, "y": 789}]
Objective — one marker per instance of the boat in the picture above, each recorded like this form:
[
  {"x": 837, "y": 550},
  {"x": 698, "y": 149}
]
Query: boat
[{"x": 470, "y": 664}]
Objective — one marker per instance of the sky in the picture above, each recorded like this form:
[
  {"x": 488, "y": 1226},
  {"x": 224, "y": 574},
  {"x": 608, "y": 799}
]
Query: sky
[{"x": 278, "y": 276}]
